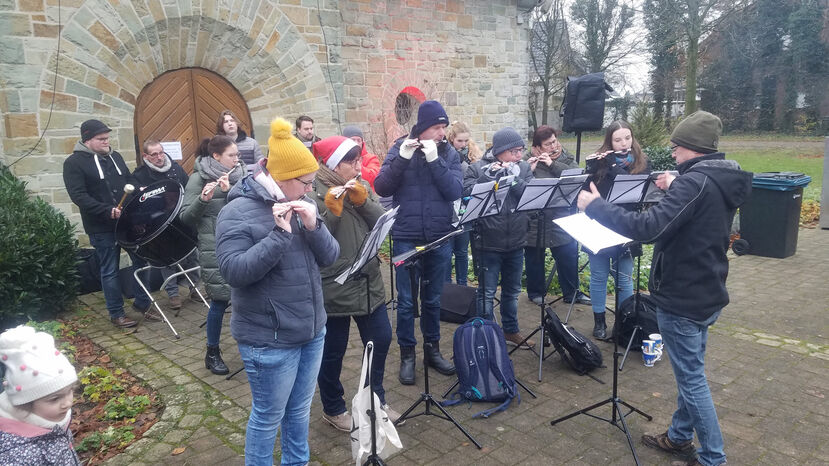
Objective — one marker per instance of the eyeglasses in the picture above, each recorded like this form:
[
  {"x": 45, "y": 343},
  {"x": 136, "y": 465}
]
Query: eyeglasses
[
  {"x": 305, "y": 183},
  {"x": 516, "y": 151},
  {"x": 674, "y": 147},
  {"x": 156, "y": 154}
]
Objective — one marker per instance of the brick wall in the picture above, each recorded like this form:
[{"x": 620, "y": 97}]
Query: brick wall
[{"x": 342, "y": 63}]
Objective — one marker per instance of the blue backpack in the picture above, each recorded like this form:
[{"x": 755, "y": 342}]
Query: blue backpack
[{"x": 483, "y": 365}]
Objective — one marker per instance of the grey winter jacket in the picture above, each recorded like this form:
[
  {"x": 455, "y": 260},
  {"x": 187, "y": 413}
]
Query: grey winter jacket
[
  {"x": 201, "y": 216},
  {"x": 274, "y": 275},
  {"x": 249, "y": 150},
  {"x": 507, "y": 230}
]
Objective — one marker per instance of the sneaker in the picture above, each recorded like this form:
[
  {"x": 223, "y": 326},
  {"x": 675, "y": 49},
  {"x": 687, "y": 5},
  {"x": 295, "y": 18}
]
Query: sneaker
[
  {"x": 123, "y": 322},
  {"x": 175, "y": 302},
  {"x": 392, "y": 414},
  {"x": 340, "y": 422},
  {"x": 662, "y": 442},
  {"x": 152, "y": 315},
  {"x": 515, "y": 339},
  {"x": 581, "y": 298},
  {"x": 536, "y": 300}
]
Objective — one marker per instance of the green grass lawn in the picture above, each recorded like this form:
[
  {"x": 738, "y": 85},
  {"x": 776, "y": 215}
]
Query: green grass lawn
[{"x": 780, "y": 160}]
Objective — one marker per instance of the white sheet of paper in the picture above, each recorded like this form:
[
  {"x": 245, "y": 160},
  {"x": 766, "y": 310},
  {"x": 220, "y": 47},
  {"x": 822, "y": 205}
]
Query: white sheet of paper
[
  {"x": 372, "y": 244},
  {"x": 173, "y": 149},
  {"x": 590, "y": 233}
]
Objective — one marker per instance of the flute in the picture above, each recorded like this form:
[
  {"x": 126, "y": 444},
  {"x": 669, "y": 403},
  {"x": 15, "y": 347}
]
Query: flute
[{"x": 340, "y": 194}]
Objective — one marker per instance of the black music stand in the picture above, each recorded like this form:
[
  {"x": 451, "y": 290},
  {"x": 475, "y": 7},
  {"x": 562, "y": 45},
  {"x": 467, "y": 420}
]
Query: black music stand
[
  {"x": 541, "y": 194},
  {"x": 627, "y": 190}
]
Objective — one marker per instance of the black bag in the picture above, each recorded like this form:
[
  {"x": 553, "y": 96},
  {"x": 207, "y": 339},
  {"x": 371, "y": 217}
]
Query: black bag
[
  {"x": 129, "y": 286},
  {"x": 457, "y": 303},
  {"x": 644, "y": 315},
  {"x": 89, "y": 271},
  {"x": 583, "y": 104},
  {"x": 579, "y": 352}
]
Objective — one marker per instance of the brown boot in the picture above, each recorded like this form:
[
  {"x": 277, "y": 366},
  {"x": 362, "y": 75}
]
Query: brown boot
[
  {"x": 662, "y": 442},
  {"x": 123, "y": 322}
]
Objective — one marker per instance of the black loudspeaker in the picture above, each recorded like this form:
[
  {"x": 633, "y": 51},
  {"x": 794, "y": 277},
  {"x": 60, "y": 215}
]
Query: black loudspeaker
[
  {"x": 457, "y": 303},
  {"x": 583, "y": 105}
]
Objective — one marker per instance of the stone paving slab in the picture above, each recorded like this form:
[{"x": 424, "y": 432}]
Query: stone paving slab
[{"x": 768, "y": 367}]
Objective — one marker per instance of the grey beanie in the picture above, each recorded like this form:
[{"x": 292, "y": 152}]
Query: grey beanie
[
  {"x": 352, "y": 130},
  {"x": 699, "y": 132},
  {"x": 506, "y": 139}
]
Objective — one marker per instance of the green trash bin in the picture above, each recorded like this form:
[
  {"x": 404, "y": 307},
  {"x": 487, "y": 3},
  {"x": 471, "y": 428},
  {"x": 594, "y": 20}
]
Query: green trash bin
[{"x": 770, "y": 218}]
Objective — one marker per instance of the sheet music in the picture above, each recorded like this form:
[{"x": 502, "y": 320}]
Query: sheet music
[
  {"x": 371, "y": 244},
  {"x": 173, "y": 149},
  {"x": 590, "y": 233}
]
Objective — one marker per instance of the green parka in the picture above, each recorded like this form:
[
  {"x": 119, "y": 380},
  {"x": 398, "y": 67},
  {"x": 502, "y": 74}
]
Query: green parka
[
  {"x": 201, "y": 216},
  {"x": 349, "y": 229}
]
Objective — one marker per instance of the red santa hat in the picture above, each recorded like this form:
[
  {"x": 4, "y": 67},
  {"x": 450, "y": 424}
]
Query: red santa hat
[{"x": 331, "y": 150}]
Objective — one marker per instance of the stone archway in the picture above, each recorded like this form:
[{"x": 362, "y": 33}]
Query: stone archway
[{"x": 183, "y": 105}]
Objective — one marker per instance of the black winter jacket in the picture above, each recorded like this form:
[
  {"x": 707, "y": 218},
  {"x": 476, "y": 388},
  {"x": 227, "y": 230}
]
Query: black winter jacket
[
  {"x": 146, "y": 176},
  {"x": 507, "y": 230},
  {"x": 96, "y": 192},
  {"x": 424, "y": 191},
  {"x": 690, "y": 229}
]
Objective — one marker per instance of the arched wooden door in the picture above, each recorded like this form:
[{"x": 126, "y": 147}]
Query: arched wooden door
[{"x": 183, "y": 105}]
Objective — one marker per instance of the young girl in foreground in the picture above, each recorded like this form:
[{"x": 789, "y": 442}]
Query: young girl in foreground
[
  {"x": 619, "y": 154},
  {"x": 36, "y": 403}
]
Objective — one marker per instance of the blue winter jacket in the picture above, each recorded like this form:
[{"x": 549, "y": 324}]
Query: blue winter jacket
[
  {"x": 274, "y": 275},
  {"x": 424, "y": 191}
]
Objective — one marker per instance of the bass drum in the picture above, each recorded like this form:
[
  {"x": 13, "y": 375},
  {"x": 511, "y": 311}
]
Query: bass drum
[{"x": 149, "y": 225}]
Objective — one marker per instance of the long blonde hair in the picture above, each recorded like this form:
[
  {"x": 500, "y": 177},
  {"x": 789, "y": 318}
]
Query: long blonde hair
[{"x": 459, "y": 127}]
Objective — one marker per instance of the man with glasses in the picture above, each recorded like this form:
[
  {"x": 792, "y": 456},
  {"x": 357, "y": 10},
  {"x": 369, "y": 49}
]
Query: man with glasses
[
  {"x": 422, "y": 174},
  {"x": 689, "y": 228},
  {"x": 499, "y": 239},
  {"x": 95, "y": 176},
  {"x": 158, "y": 166}
]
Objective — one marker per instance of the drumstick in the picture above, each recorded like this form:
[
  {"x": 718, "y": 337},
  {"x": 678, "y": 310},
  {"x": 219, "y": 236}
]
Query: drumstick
[{"x": 128, "y": 189}]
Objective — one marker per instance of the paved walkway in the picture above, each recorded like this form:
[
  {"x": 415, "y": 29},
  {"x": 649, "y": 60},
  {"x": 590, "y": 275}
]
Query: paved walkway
[{"x": 768, "y": 365}]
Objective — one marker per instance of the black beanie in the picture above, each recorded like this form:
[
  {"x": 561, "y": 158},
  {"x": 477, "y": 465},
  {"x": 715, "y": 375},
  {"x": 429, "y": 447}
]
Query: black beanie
[
  {"x": 429, "y": 114},
  {"x": 699, "y": 132},
  {"x": 92, "y": 128},
  {"x": 505, "y": 139}
]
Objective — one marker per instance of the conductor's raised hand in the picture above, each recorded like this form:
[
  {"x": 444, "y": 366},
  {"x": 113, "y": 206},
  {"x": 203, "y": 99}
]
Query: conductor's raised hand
[
  {"x": 664, "y": 180},
  {"x": 586, "y": 197},
  {"x": 307, "y": 213},
  {"x": 282, "y": 215}
]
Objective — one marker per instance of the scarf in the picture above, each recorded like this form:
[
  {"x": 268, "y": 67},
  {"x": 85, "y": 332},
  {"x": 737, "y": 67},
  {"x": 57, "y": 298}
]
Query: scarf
[
  {"x": 329, "y": 177},
  {"x": 163, "y": 169},
  {"x": 9, "y": 411},
  {"x": 261, "y": 176},
  {"x": 464, "y": 153},
  {"x": 625, "y": 162},
  {"x": 213, "y": 170}
]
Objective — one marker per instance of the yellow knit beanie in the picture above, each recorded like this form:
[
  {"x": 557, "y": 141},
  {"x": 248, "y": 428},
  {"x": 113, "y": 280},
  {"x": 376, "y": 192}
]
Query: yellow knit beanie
[{"x": 288, "y": 158}]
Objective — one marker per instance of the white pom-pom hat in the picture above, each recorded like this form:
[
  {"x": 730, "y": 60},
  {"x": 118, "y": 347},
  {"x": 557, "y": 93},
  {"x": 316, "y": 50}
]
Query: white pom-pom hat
[{"x": 34, "y": 367}]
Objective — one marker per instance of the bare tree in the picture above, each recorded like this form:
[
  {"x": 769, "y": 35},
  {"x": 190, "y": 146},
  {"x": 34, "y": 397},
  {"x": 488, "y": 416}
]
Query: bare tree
[
  {"x": 550, "y": 58},
  {"x": 605, "y": 23},
  {"x": 695, "y": 19}
]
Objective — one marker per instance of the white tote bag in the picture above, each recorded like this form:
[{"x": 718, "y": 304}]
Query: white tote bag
[{"x": 388, "y": 442}]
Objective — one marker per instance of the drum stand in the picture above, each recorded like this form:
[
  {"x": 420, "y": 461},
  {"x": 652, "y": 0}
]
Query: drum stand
[{"x": 173, "y": 276}]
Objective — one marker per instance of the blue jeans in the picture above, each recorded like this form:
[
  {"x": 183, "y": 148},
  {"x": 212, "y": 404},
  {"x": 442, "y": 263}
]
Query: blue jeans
[
  {"x": 600, "y": 270},
  {"x": 430, "y": 272},
  {"x": 507, "y": 265},
  {"x": 282, "y": 382},
  {"x": 685, "y": 340},
  {"x": 567, "y": 269},
  {"x": 109, "y": 253},
  {"x": 373, "y": 327},
  {"x": 460, "y": 250},
  {"x": 188, "y": 262},
  {"x": 215, "y": 315}
]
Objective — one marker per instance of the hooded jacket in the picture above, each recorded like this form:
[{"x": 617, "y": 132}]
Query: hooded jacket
[
  {"x": 424, "y": 191},
  {"x": 350, "y": 229},
  {"x": 274, "y": 275},
  {"x": 507, "y": 230},
  {"x": 369, "y": 166},
  {"x": 690, "y": 230},
  {"x": 23, "y": 443},
  {"x": 249, "y": 150},
  {"x": 202, "y": 216},
  {"x": 96, "y": 191}
]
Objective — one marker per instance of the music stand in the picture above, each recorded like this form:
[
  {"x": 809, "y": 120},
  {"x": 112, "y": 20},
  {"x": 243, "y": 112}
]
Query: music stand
[
  {"x": 409, "y": 259},
  {"x": 627, "y": 190},
  {"x": 541, "y": 194}
]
